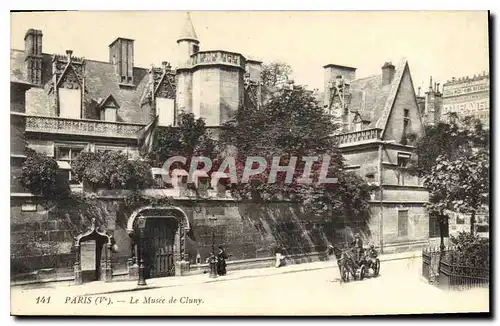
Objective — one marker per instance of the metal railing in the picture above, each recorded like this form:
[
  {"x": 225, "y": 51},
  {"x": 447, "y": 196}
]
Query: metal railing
[{"x": 447, "y": 270}]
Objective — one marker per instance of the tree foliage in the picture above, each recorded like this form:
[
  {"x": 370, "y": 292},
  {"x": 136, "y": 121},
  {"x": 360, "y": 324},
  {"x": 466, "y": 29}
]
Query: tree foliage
[
  {"x": 292, "y": 124},
  {"x": 39, "y": 174},
  {"x": 451, "y": 140},
  {"x": 275, "y": 73},
  {"x": 472, "y": 250},
  {"x": 453, "y": 160},
  {"x": 112, "y": 170},
  {"x": 188, "y": 138}
]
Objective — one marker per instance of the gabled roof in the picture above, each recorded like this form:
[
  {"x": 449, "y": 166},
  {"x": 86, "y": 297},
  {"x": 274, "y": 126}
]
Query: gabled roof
[
  {"x": 109, "y": 102},
  {"x": 373, "y": 100},
  {"x": 101, "y": 80}
]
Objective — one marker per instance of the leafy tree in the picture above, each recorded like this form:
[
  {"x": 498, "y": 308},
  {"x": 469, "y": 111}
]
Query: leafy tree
[
  {"x": 275, "y": 72},
  {"x": 112, "y": 170},
  {"x": 188, "y": 138},
  {"x": 451, "y": 140},
  {"x": 292, "y": 124},
  {"x": 442, "y": 154},
  {"x": 40, "y": 176},
  {"x": 460, "y": 185}
]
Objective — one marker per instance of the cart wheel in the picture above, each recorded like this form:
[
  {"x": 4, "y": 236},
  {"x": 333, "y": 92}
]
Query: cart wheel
[
  {"x": 362, "y": 272},
  {"x": 344, "y": 274},
  {"x": 376, "y": 267}
]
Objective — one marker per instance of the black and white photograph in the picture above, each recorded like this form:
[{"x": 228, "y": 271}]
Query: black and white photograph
[{"x": 249, "y": 163}]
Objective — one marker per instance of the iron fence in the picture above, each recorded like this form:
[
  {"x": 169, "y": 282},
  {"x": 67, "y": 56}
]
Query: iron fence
[{"x": 447, "y": 270}]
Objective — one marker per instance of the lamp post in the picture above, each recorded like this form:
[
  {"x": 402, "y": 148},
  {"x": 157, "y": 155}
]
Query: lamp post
[
  {"x": 142, "y": 224},
  {"x": 212, "y": 260}
]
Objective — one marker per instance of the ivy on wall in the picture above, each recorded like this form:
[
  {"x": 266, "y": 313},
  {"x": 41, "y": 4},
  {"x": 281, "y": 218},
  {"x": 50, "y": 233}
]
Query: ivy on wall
[
  {"x": 39, "y": 174},
  {"x": 112, "y": 170}
]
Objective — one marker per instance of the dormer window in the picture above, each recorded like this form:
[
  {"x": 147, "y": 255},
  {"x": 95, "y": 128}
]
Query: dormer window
[
  {"x": 108, "y": 109},
  {"x": 108, "y": 114}
]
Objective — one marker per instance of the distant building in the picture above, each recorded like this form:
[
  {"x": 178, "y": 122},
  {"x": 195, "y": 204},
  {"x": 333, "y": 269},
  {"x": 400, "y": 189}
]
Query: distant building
[
  {"x": 430, "y": 104},
  {"x": 468, "y": 96}
]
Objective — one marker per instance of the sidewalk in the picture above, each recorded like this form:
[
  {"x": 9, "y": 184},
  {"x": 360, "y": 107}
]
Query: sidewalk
[{"x": 96, "y": 288}]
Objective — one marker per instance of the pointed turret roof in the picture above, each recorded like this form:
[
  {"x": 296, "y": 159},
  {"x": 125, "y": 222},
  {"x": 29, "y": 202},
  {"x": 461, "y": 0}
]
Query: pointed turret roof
[{"x": 188, "y": 32}]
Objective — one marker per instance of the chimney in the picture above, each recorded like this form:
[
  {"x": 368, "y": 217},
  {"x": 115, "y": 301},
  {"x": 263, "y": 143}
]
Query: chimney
[
  {"x": 33, "y": 56},
  {"x": 332, "y": 71},
  {"x": 388, "y": 70},
  {"x": 68, "y": 54},
  {"x": 121, "y": 55}
]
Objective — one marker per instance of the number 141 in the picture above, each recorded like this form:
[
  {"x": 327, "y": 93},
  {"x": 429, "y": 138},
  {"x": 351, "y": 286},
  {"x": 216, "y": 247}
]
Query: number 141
[{"x": 42, "y": 300}]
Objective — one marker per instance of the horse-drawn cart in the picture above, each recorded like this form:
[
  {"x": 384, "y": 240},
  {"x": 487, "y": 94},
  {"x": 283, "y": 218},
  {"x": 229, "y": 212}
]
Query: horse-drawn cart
[{"x": 356, "y": 263}]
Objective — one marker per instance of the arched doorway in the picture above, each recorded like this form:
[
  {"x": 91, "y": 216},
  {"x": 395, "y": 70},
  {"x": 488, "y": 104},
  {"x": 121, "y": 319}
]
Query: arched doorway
[{"x": 163, "y": 239}]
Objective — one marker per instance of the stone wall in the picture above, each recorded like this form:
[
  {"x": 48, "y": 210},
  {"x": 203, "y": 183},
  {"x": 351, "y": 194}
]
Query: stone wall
[{"x": 44, "y": 238}]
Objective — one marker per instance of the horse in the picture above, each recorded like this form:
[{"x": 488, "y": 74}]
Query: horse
[{"x": 345, "y": 262}]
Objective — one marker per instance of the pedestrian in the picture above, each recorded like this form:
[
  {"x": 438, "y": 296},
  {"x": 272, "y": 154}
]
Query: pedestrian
[
  {"x": 279, "y": 257},
  {"x": 221, "y": 261}
]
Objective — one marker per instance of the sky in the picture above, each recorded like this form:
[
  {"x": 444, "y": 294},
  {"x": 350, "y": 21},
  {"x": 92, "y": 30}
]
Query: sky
[{"x": 442, "y": 44}]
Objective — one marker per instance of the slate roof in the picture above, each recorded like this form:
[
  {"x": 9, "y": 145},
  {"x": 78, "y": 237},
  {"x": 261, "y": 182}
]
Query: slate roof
[
  {"x": 101, "y": 81},
  {"x": 372, "y": 100}
]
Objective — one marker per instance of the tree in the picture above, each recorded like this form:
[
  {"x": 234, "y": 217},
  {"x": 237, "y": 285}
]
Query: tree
[
  {"x": 451, "y": 140},
  {"x": 460, "y": 185},
  {"x": 442, "y": 154},
  {"x": 275, "y": 72},
  {"x": 292, "y": 124},
  {"x": 40, "y": 176},
  {"x": 112, "y": 170},
  {"x": 189, "y": 137}
]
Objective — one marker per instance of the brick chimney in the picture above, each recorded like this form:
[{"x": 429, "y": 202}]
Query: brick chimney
[
  {"x": 388, "y": 71},
  {"x": 121, "y": 55},
  {"x": 33, "y": 56}
]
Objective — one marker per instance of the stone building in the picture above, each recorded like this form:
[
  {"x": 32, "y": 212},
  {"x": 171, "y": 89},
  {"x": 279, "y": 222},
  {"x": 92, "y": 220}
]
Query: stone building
[
  {"x": 466, "y": 96},
  {"x": 431, "y": 104},
  {"x": 378, "y": 114},
  {"x": 63, "y": 104}
]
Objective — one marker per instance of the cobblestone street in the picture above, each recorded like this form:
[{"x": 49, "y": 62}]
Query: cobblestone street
[{"x": 399, "y": 289}]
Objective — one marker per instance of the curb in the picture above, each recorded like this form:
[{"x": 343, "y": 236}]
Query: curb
[{"x": 284, "y": 271}]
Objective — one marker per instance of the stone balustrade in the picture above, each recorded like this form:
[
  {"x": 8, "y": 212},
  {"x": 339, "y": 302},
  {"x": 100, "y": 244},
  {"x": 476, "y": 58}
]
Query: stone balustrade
[
  {"x": 216, "y": 58},
  {"x": 57, "y": 125},
  {"x": 359, "y": 136}
]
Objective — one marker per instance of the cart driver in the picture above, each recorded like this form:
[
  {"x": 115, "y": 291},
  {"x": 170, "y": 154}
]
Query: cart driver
[{"x": 358, "y": 246}]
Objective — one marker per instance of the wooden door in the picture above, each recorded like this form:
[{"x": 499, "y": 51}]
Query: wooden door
[{"x": 159, "y": 247}]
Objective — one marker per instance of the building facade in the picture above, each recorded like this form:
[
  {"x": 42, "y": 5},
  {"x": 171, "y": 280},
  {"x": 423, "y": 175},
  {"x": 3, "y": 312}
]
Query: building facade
[
  {"x": 468, "y": 96},
  {"x": 377, "y": 114},
  {"x": 465, "y": 97},
  {"x": 64, "y": 104}
]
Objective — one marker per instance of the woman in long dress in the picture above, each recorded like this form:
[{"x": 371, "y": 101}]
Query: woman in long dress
[{"x": 221, "y": 261}]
